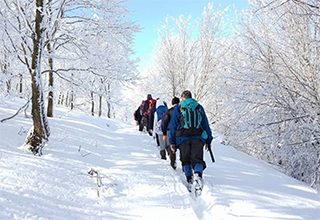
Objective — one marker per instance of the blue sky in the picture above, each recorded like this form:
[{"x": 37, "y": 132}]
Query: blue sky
[{"x": 149, "y": 14}]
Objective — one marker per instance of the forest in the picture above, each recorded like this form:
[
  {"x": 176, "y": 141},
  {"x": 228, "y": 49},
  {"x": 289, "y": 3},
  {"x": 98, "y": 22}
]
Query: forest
[{"x": 257, "y": 76}]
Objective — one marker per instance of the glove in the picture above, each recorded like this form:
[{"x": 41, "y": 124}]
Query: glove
[
  {"x": 173, "y": 148},
  {"x": 208, "y": 147}
]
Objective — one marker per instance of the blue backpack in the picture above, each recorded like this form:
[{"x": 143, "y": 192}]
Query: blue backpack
[{"x": 161, "y": 110}]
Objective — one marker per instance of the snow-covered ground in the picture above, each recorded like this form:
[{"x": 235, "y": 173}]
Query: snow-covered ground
[{"x": 136, "y": 183}]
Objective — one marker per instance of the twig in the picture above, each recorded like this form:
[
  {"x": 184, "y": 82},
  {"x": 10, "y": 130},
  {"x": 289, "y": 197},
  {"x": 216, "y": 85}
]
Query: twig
[
  {"x": 268, "y": 5},
  {"x": 63, "y": 138},
  {"x": 22, "y": 131},
  {"x": 84, "y": 155},
  {"x": 99, "y": 182},
  {"x": 6, "y": 119},
  {"x": 305, "y": 3},
  {"x": 285, "y": 120}
]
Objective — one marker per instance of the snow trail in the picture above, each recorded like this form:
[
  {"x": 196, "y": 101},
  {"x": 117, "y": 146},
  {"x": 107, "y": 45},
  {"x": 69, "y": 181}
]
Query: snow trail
[{"x": 136, "y": 183}]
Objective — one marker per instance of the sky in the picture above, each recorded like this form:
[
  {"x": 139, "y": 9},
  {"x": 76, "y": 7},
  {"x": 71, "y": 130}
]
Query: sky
[{"x": 149, "y": 14}]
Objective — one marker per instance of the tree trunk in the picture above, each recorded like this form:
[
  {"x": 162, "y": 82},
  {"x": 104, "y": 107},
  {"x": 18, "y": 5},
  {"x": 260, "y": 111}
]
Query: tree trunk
[
  {"x": 50, "y": 97},
  {"x": 59, "y": 99},
  {"x": 20, "y": 84},
  {"x": 109, "y": 109},
  {"x": 71, "y": 100},
  {"x": 50, "y": 62},
  {"x": 174, "y": 92},
  {"x": 67, "y": 99},
  {"x": 108, "y": 102},
  {"x": 100, "y": 105},
  {"x": 8, "y": 83},
  {"x": 92, "y": 104},
  {"x": 5, "y": 71},
  {"x": 40, "y": 131}
]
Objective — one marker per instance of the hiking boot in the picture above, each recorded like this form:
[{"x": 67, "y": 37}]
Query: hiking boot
[
  {"x": 163, "y": 154},
  {"x": 198, "y": 184},
  {"x": 173, "y": 160},
  {"x": 189, "y": 183},
  {"x": 173, "y": 165}
]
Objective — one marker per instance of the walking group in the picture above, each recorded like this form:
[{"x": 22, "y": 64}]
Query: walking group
[{"x": 183, "y": 126}]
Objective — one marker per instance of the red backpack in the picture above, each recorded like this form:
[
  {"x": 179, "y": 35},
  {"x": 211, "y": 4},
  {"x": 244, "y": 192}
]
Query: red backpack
[{"x": 152, "y": 104}]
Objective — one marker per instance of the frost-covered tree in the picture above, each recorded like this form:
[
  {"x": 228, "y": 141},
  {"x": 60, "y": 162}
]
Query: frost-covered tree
[
  {"x": 103, "y": 45},
  {"x": 210, "y": 59},
  {"x": 25, "y": 32},
  {"x": 190, "y": 55},
  {"x": 272, "y": 110},
  {"x": 172, "y": 58},
  {"x": 68, "y": 41}
]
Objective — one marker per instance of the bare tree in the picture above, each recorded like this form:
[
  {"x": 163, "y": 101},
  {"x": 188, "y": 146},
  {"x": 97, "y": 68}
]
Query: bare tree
[{"x": 40, "y": 131}]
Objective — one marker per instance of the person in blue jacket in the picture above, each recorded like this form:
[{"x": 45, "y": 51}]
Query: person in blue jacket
[{"x": 189, "y": 132}]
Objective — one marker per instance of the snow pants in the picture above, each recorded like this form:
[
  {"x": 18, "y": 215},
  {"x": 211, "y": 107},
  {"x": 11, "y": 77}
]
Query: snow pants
[{"x": 191, "y": 154}]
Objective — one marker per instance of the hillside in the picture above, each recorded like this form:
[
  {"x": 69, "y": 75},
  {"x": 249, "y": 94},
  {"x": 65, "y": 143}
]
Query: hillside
[{"x": 136, "y": 184}]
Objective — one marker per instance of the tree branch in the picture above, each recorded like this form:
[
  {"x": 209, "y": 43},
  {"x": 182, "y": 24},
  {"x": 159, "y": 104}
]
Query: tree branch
[
  {"x": 23, "y": 107},
  {"x": 285, "y": 120},
  {"x": 305, "y": 3}
]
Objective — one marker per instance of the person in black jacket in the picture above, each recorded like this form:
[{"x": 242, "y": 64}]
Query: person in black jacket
[
  {"x": 138, "y": 117},
  {"x": 165, "y": 128}
]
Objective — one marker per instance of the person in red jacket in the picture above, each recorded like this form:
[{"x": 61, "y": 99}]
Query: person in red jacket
[{"x": 147, "y": 106}]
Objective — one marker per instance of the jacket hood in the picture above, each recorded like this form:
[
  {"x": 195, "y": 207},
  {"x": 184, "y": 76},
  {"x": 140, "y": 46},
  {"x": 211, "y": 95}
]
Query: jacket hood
[
  {"x": 159, "y": 103},
  {"x": 189, "y": 103}
]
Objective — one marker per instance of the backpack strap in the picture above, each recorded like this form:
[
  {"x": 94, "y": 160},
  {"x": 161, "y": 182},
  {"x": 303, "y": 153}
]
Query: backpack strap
[
  {"x": 185, "y": 115},
  {"x": 198, "y": 117}
]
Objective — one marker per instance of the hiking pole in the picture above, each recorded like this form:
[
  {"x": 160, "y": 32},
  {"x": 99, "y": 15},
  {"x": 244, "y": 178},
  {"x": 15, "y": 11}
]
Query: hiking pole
[{"x": 211, "y": 154}]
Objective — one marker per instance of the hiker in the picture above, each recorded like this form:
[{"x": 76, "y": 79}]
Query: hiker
[
  {"x": 137, "y": 117},
  {"x": 189, "y": 132},
  {"x": 147, "y": 106},
  {"x": 152, "y": 110},
  {"x": 161, "y": 109},
  {"x": 165, "y": 125}
]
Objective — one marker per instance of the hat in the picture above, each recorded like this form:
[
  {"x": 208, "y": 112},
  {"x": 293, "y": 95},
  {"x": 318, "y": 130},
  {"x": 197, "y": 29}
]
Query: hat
[{"x": 175, "y": 100}]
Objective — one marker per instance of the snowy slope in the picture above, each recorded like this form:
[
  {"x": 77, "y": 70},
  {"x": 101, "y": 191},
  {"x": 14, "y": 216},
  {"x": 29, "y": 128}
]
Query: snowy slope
[{"x": 136, "y": 183}]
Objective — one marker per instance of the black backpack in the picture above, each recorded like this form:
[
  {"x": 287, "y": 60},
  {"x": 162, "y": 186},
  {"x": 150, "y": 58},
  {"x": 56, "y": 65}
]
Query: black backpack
[{"x": 190, "y": 122}]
